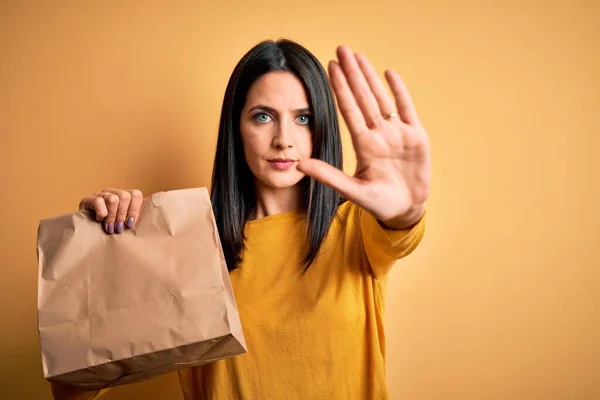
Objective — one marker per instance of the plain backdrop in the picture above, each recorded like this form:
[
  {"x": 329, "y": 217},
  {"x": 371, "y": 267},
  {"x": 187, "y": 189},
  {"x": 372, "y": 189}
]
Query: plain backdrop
[{"x": 502, "y": 298}]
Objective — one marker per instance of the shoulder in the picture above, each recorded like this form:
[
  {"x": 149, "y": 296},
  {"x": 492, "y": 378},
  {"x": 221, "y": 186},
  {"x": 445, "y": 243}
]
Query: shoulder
[
  {"x": 346, "y": 218},
  {"x": 347, "y": 211}
]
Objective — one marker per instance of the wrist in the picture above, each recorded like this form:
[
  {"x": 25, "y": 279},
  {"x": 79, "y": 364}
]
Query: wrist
[{"x": 406, "y": 220}]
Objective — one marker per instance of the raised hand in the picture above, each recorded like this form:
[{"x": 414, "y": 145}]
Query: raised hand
[{"x": 393, "y": 172}]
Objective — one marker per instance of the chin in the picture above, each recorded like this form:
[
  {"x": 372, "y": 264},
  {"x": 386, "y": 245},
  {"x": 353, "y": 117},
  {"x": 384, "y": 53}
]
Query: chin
[{"x": 282, "y": 181}]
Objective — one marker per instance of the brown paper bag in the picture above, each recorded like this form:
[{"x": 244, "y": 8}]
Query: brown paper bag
[{"x": 122, "y": 308}]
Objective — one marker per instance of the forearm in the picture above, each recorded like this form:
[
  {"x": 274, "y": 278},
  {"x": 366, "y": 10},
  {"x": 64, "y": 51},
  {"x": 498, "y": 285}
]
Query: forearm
[{"x": 67, "y": 392}]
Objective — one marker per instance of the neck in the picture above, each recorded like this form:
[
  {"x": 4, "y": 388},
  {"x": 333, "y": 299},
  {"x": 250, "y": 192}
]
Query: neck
[{"x": 271, "y": 201}]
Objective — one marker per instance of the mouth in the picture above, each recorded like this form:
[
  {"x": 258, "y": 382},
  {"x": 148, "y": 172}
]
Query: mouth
[{"x": 282, "y": 163}]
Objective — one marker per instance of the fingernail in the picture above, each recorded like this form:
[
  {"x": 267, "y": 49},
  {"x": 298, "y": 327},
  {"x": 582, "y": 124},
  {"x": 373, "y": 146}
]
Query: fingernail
[
  {"x": 110, "y": 228},
  {"x": 120, "y": 226},
  {"x": 130, "y": 222}
]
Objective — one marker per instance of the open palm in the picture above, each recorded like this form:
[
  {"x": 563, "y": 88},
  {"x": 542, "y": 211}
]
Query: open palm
[{"x": 393, "y": 172}]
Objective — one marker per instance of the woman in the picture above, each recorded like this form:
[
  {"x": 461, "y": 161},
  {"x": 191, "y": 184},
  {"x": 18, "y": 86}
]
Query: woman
[{"x": 309, "y": 271}]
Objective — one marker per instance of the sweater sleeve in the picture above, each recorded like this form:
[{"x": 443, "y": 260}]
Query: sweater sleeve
[{"x": 383, "y": 246}]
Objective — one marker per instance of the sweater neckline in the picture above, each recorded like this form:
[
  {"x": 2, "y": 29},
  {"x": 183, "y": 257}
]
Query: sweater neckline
[{"x": 276, "y": 218}]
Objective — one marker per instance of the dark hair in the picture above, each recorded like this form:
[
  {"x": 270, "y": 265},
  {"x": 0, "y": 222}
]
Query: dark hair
[{"x": 233, "y": 194}]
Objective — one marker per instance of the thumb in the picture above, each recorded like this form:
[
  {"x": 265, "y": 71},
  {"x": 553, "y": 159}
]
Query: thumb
[{"x": 327, "y": 174}]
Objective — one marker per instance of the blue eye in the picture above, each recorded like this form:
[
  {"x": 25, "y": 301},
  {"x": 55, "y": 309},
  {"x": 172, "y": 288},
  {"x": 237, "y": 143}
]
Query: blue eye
[
  {"x": 303, "y": 119},
  {"x": 262, "y": 117}
]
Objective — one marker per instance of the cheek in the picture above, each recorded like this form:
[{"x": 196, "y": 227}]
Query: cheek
[
  {"x": 253, "y": 142},
  {"x": 248, "y": 139},
  {"x": 304, "y": 144}
]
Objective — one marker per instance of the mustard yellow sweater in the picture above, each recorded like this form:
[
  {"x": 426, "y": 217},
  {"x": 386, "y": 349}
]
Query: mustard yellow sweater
[{"x": 312, "y": 336}]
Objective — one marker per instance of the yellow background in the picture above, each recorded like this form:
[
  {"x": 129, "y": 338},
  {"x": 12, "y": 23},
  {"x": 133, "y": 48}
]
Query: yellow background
[{"x": 501, "y": 300}]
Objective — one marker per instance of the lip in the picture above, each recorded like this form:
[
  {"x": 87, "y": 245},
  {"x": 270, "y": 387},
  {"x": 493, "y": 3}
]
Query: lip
[{"x": 282, "y": 164}]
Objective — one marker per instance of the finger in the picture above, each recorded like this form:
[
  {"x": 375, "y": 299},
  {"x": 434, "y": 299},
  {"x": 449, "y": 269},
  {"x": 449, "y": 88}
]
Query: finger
[
  {"x": 95, "y": 204},
  {"x": 112, "y": 204},
  {"x": 346, "y": 102},
  {"x": 122, "y": 208},
  {"x": 385, "y": 101},
  {"x": 134, "y": 207},
  {"x": 404, "y": 102},
  {"x": 360, "y": 88},
  {"x": 331, "y": 176}
]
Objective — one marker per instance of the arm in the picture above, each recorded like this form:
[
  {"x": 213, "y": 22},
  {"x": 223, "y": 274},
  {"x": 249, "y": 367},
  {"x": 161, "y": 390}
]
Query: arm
[
  {"x": 406, "y": 221},
  {"x": 393, "y": 171},
  {"x": 61, "y": 391},
  {"x": 384, "y": 246}
]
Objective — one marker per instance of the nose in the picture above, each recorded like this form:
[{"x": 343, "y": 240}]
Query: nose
[{"x": 283, "y": 139}]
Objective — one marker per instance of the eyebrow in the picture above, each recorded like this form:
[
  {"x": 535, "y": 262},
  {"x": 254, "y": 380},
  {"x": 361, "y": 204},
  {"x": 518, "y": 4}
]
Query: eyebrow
[{"x": 273, "y": 111}]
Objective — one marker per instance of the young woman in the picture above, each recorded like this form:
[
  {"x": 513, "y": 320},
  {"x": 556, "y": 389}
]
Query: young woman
[{"x": 309, "y": 248}]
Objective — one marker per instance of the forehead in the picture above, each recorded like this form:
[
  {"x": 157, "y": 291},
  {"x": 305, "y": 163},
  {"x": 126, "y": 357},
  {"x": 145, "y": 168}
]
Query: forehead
[{"x": 279, "y": 89}]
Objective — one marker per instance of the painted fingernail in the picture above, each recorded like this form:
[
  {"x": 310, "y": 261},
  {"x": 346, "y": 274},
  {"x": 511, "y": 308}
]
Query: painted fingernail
[
  {"x": 120, "y": 226},
  {"x": 110, "y": 228},
  {"x": 130, "y": 222}
]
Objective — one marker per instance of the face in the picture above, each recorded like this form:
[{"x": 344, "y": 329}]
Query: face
[{"x": 275, "y": 128}]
